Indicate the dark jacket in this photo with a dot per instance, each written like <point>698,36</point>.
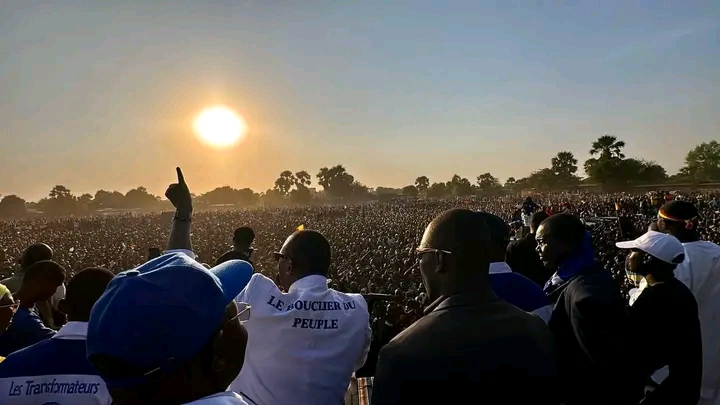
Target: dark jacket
<point>233,255</point>
<point>664,320</point>
<point>588,323</point>
<point>470,346</point>
<point>523,259</point>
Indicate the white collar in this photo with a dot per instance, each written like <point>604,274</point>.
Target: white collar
<point>73,331</point>
<point>309,282</point>
<point>499,268</point>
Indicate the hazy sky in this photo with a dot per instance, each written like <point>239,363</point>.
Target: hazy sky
<point>101,94</point>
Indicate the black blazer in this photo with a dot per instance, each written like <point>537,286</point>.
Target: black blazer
<point>588,323</point>
<point>471,346</point>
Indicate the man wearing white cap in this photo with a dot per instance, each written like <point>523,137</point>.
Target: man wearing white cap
<point>663,321</point>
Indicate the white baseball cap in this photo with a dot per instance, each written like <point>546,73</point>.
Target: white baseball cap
<point>660,245</point>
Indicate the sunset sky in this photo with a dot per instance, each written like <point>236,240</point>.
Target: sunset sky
<point>102,94</point>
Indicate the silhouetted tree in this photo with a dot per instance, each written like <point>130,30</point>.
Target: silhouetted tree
<point>285,182</point>
<point>488,184</point>
<point>410,191</point>
<point>422,183</point>
<point>140,198</point>
<point>12,206</point>
<point>337,182</point>
<point>608,146</point>
<point>438,190</point>
<point>703,162</point>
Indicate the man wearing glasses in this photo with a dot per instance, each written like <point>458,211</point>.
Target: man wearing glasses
<point>470,342</point>
<point>305,340</point>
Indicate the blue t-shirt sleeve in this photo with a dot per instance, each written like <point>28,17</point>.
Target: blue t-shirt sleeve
<point>26,329</point>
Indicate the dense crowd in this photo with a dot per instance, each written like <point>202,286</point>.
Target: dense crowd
<point>432,273</point>
<point>373,244</point>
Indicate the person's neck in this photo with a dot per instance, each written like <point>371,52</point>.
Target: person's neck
<point>475,285</point>
<point>654,279</point>
<point>687,237</point>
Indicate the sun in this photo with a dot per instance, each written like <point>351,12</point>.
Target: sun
<point>219,126</point>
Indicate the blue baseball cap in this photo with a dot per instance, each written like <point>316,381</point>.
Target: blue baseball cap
<point>163,312</point>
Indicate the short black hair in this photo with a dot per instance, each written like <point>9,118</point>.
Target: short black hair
<point>35,253</point>
<point>86,287</point>
<point>537,219</point>
<point>498,228</point>
<point>566,228</point>
<point>46,269</point>
<point>244,235</point>
<point>314,248</point>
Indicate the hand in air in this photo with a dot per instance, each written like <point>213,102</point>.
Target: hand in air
<point>179,194</point>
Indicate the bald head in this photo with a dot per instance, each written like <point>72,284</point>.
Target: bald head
<point>465,234</point>
<point>35,253</point>
<point>309,250</point>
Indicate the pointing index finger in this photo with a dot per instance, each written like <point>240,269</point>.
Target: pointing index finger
<point>180,177</point>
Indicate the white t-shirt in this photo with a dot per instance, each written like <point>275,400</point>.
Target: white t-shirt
<point>303,345</point>
<point>700,271</point>
<point>223,398</point>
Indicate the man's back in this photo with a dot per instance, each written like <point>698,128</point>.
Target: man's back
<point>303,345</point>
<point>476,347</point>
<point>588,324</point>
<point>665,318</point>
<point>700,272</point>
<point>53,371</point>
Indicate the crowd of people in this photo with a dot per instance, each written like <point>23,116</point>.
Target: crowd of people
<point>405,257</point>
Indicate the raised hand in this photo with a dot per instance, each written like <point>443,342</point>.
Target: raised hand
<point>179,194</point>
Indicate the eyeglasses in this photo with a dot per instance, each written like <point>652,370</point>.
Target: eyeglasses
<point>279,256</point>
<point>14,306</point>
<point>243,315</point>
<point>437,252</point>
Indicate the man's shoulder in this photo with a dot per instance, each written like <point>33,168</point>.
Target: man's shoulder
<point>596,285</point>
<point>434,328</point>
<point>350,297</point>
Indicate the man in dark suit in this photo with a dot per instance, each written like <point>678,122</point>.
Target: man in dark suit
<point>522,257</point>
<point>470,342</point>
<point>588,319</point>
<point>242,250</point>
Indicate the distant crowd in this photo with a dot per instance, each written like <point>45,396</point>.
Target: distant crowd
<point>410,259</point>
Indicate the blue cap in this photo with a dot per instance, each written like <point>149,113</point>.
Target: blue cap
<point>163,311</point>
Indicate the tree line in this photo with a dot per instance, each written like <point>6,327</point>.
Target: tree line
<point>607,166</point>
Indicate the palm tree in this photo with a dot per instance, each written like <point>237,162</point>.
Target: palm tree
<point>607,146</point>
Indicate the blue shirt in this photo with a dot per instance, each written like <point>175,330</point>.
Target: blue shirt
<point>519,291</point>
<point>26,329</point>
<point>54,371</point>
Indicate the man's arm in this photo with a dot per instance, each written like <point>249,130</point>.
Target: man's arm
<point>179,195</point>
<point>366,348</point>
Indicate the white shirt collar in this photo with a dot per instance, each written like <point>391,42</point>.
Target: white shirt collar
<point>499,268</point>
<point>311,282</point>
<point>73,331</point>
